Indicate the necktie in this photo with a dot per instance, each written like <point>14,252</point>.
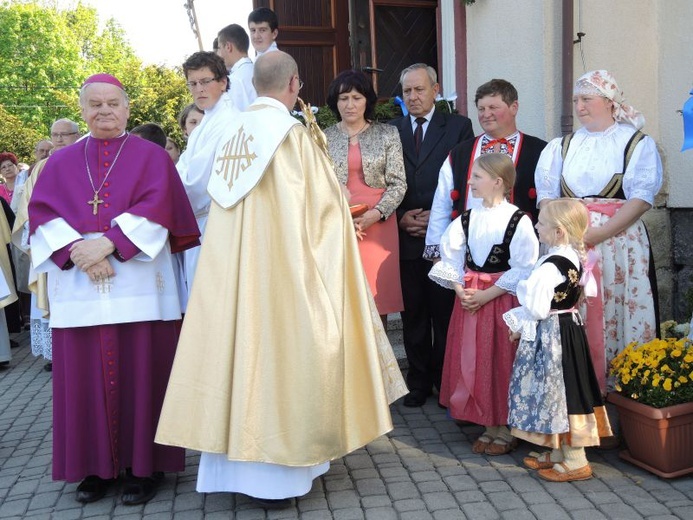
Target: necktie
<point>418,133</point>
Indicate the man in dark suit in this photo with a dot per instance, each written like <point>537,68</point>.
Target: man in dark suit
<point>427,137</point>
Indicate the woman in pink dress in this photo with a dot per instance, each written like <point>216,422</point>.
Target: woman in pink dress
<point>368,161</point>
<point>9,172</point>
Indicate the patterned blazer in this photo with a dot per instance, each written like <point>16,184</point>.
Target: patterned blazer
<point>382,160</point>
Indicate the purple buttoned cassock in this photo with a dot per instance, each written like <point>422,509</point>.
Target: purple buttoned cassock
<point>109,380</point>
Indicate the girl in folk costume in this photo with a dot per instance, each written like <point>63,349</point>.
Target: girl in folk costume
<point>485,252</point>
<point>554,397</point>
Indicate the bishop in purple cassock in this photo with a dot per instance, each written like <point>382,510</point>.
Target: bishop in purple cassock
<point>105,216</point>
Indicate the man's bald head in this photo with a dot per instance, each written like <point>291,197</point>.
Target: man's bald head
<point>273,72</point>
<point>43,149</point>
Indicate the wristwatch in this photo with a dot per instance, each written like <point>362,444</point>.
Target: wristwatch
<point>383,218</point>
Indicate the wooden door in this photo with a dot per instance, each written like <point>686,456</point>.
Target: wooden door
<point>316,34</point>
<point>389,35</point>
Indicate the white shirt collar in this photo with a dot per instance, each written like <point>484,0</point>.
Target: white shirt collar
<point>427,117</point>
<point>264,100</point>
<point>239,63</point>
<point>272,47</point>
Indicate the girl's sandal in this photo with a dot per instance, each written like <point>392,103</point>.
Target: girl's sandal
<point>481,444</point>
<point>541,461</point>
<point>501,447</point>
<point>567,475</point>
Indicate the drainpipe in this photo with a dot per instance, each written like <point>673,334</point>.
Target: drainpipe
<point>567,69</point>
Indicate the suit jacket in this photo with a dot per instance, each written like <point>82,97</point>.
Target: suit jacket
<point>444,132</point>
<point>381,158</point>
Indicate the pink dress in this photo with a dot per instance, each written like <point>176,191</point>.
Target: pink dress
<point>6,194</point>
<point>479,361</point>
<point>380,247</point>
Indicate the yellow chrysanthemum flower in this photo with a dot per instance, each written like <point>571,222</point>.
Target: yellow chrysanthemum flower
<point>642,370</point>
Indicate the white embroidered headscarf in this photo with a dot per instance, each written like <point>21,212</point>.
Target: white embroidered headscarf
<point>602,83</point>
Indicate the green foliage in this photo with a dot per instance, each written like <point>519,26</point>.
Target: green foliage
<point>158,95</point>
<point>18,138</point>
<point>45,55</point>
<point>38,63</point>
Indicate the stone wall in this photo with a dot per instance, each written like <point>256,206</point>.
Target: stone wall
<point>659,228</point>
<point>682,262</point>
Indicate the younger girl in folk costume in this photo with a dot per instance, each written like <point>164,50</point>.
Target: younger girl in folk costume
<point>485,252</point>
<point>554,397</point>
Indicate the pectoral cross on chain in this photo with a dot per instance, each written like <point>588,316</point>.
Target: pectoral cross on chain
<point>95,203</point>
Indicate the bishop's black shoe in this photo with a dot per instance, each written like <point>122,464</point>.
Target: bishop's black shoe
<point>92,488</point>
<point>140,490</point>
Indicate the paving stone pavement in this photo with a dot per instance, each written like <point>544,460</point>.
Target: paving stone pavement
<point>424,469</point>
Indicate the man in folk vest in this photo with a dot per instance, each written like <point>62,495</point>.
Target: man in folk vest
<point>497,105</point>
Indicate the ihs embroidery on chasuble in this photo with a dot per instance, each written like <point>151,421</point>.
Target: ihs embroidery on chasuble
<point>236,156</point>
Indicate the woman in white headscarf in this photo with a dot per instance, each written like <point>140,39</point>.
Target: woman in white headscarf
<point>617,171</point>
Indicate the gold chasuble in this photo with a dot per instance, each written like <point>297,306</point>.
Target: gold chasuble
<point>282,357</point>
<point>38,282</point>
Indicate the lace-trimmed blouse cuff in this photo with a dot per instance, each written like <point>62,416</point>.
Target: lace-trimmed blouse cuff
<point>446,275</point>
<point>508,281</point>
<point>519,320</point>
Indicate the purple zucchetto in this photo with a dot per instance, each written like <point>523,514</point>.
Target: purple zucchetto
<point>103,78</point>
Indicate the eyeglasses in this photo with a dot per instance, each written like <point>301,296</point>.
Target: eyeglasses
<point>62,135</point>
<point>203,83</point>
<point>300,82</point>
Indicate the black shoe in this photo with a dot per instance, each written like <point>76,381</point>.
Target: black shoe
<point>4,365</point>
<point>415,398</point>
<point>92,488</point>
<point>140,490</point>
<point>48,367</point>
<point>269,503</point>
<point>14,344</point>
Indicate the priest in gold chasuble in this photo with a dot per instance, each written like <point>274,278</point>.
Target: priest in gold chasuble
<point>283,364</point>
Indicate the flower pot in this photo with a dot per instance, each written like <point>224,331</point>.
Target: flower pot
<point>658,439</point>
